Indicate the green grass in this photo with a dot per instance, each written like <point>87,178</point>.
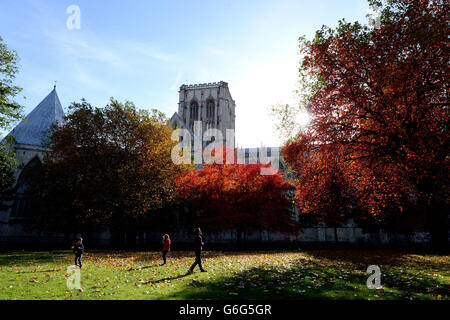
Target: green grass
<point>312,274</point>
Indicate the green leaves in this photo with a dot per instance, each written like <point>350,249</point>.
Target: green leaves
<point>107,167</point>
<point>9,110</point>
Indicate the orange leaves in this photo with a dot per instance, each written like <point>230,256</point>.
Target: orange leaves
<point>236,196</point>
<point>379,132</point>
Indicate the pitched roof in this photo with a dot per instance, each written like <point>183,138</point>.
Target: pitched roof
<point>31,130</point>
<point>175,121</point>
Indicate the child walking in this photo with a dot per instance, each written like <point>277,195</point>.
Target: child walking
<point>198,246</point>
<point>166,247</point>
<point>78,249</point>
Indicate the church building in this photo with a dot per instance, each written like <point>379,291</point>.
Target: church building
<point>213,106</point>
<point>29,146</point>
<point>209,103</point>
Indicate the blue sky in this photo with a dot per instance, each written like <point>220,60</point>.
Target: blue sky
<point>143,51</point>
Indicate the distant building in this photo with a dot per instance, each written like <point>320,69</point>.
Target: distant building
<point>210,103</point>
<point>30,135</point>
<point>213,106</point>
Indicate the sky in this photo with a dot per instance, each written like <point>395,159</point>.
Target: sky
<point>144,50</point>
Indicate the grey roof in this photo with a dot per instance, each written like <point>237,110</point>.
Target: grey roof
<point>176,120</point>
<point>31,130</point>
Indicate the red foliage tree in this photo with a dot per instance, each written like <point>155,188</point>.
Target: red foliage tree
<point>380,120</point>
<point>236,197</point>
<point>323,191</point>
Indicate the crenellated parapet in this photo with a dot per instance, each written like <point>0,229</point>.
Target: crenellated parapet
<point>204,85</point>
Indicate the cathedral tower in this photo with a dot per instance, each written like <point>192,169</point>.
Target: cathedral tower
<point>210,103</point>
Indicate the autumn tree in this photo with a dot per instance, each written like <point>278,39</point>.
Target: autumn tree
<point>382,114</point>
<point>237,197</point>
<point>323,192</point>
<point>107,168</point>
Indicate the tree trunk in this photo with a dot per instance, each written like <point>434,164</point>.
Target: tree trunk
<point>131,239</point>
<point>238,237</point>
<point>118,238</point>
<point>434,202</point>
<point>68,239</point>
<point>336,239</point>
<point>439,228</point>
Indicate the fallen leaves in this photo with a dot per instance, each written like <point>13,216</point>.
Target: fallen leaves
<point>323,274</point>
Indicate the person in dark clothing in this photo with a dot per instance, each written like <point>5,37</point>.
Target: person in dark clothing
<point>78,249</point>
<point>198,246</point>
<point>166,247</point>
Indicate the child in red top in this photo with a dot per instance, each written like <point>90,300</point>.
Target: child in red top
<point>166,247</point>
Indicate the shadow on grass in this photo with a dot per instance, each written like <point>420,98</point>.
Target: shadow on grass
<point>144,267</point>
<point>167,279</point>
<point>39,271</point>
<point>313,280</point>
<point>143,256</point>
<point>25,258</point>
<point>362,255</point>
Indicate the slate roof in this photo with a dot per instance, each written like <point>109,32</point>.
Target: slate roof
<point>31,130</point>
<point>176,120</point>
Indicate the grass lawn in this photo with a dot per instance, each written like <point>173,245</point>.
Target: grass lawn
<point>311,274</point>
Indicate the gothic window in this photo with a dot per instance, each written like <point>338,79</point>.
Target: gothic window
<point>194,111</point>
<point>24,204</point>
<point>209,125</point>
<point>210,109</point>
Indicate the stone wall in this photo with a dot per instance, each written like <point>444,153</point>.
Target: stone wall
<point>14,233</point>
<point>311,235</point>
<point>24,154</point>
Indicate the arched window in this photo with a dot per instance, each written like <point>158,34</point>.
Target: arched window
<point>210,109</point>
<point>194,110</point>
<point>24,204</point>
<point>209,125</point>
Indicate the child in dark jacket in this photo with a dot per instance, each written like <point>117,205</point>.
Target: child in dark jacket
<point>198,246</point>
<point>78,249</point>
<point>166,247</point>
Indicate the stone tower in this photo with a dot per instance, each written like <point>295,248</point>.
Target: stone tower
<point>210,103</point>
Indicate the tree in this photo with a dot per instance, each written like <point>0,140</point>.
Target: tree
<point>10,111</point>
<point>290,119</point>
<point>107,168</point>
<point>236,197</point>
<point>323,191</point>
<point>6,175</point>
<point>384,110</point>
